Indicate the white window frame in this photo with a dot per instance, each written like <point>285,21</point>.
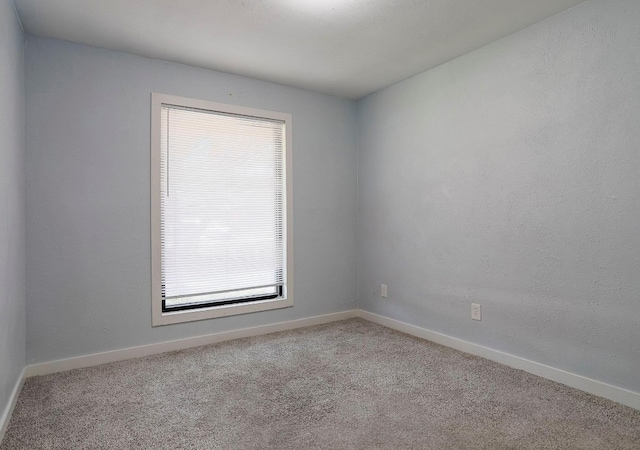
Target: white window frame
<point>166,318</point>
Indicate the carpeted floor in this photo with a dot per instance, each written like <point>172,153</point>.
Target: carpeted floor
<point>350,384</point>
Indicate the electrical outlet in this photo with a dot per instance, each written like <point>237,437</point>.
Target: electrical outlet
<point>476,311</point>
<point>383,290</point>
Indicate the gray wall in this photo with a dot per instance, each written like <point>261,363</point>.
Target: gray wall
<point>12,203</point>
<point>510,177</point>
<point>88,249</point>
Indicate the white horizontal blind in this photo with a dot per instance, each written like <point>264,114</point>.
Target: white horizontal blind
<point>221,206</point>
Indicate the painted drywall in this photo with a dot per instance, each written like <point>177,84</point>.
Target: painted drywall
<point>88,197</point>
<point>509,177</point>
<point>12,203</point>
<point>339,47</point>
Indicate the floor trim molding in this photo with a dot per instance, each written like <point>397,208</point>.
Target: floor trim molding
<point>589,385</point>
<point>96,359</point>
<point>13,399</point>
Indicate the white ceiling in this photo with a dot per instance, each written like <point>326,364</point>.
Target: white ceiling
<point>347,48</point>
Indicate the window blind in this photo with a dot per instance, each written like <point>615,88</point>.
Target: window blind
<point>222,229</point>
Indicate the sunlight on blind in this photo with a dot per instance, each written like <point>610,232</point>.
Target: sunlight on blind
<point>221,204</point>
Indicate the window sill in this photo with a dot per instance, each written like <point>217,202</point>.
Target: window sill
<point>169,318</point>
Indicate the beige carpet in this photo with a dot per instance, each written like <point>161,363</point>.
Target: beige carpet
<point>345,385</point>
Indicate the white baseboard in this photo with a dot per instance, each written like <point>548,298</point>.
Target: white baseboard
<point>8,411</point>
<point>96,359</point>
<point>594,387</point>
<point>589,385</point>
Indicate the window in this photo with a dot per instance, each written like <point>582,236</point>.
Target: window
<point>221,210</point>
